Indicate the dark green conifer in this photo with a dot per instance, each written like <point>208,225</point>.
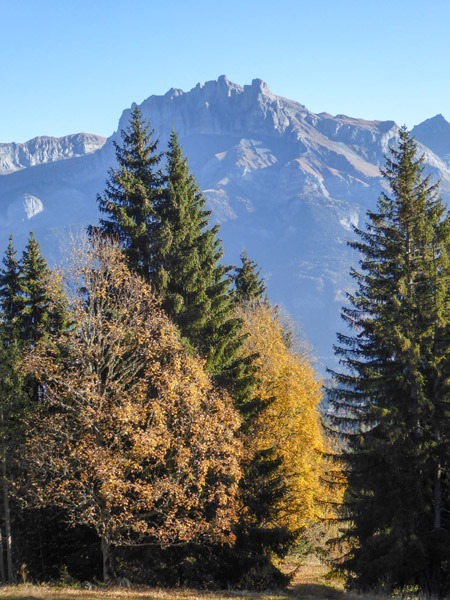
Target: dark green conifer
<point>393,400</point>
<point>10,292</point>
<point>166,238</point>
<point>188,274</point>
<point>11,405</point>
<point>40,311</point>
<point>23,297</point>
<point>131,193</point>
<point>248,283</point>
<point>186,255</point>
<point>12,428</point>
<point>31,308</point>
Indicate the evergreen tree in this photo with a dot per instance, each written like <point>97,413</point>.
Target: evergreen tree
<point>248,283</point>
<point>42,309</point>
<point>393,400</point>
<point>193,283</point>
<point>31,307</point>
<point>10,291</point>
<point>11,395</point>
<point>166,239</point>
<point>186,255</point>
<point>131,193</point>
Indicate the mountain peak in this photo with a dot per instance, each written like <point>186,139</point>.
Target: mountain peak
<point>173,93</point>
<point>439,119</point>
<point>435,123</point>
<point>434,133</point>
<point>222,86</point>
<point>260,85</point>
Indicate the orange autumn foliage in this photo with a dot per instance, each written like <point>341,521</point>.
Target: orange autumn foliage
<point>290,423</point>
<point>131,439</point>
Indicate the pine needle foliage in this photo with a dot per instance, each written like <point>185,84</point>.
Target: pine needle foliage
<point>187,271</point>
<point>10,291</point>
<point>248,283</point>
<point>40,312</point>
<point>131,192</point>
<point>392,398</point>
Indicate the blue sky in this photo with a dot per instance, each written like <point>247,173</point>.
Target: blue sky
<point>74,65</point>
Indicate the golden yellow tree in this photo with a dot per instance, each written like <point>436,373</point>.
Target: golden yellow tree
<point>290,423</point>
<point>132,439</point>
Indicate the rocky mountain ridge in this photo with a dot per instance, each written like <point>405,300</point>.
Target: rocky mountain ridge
<point>45,149</point>
<point>285,183</point>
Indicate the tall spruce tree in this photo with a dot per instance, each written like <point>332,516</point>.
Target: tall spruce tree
<point>194,284</point>
<point>186,267</point>
<point>132,190</point>
<point>162,223</point>
<point>11,395</point>
<point>393,399</point>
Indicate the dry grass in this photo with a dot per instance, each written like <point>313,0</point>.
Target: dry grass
<point>46,592</point>
<point>311,580</point>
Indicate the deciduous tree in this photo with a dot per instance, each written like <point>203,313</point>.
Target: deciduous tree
<point>290,424</point>
<point>134,440</point>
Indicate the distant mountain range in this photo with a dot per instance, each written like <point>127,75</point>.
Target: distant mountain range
<point>285,183</point>
<point>44,149</point>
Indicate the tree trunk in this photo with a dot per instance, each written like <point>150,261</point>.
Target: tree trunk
<point>2,560</point>
<point>108,565</point>
<point>435,569</point>
<point>9,561</point>
<point>437,498</point>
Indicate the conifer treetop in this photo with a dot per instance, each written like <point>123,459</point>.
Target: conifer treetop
<point>132,190</point>
<point>248,283</point>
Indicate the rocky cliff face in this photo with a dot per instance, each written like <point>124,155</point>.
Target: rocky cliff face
<point>43,149</point>
<point>286,184</point>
